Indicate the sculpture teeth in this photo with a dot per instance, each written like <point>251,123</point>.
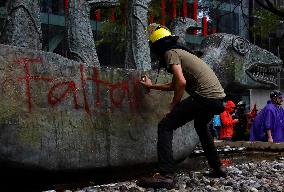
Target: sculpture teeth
<point>263,69</point>
<point>273,70</point>
<point>266,74</point>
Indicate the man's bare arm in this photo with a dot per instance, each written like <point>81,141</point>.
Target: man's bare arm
<point>147,83</point>
<point>178,83</point>
<point>163,87</point>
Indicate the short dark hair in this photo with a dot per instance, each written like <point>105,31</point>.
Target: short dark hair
<point>275,93</point>
<point>162,45</point>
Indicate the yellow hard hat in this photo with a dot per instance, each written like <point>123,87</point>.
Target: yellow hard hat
<point>158,33</point>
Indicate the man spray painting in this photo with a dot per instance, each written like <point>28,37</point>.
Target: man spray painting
<point>194,76</point>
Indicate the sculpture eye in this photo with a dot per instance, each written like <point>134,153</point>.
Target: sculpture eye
<point>240,45</point>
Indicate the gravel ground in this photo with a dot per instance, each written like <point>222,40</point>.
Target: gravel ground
<point>245,174</point>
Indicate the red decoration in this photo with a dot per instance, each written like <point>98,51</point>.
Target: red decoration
<point>214,30</point>
<point>98,16</point>
<point>195,7</point>
<point>173,9</point>
<point>204,29</point>
<point>123,10</point>
<point>195,12</point>
<point>66,4</point>
<point>163,13</point>
<point>250,116</point>
<point>184,8</point>
<point>112,15</point>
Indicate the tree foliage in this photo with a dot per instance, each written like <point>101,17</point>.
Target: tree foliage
<point>270,6</point>
<point>266,22</point>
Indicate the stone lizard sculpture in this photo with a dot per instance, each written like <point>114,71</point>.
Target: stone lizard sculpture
<point>237,63</point>
<point>240,64</point>
<point>23,26</point>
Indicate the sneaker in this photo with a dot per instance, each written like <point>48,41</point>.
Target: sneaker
<point>157,181</point>
<point>219,172</point>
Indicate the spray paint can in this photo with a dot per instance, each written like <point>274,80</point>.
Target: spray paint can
<point>143,78</point>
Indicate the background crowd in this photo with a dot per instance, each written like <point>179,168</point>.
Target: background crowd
<point>236,123</point>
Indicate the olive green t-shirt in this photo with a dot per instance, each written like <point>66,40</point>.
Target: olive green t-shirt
<point>200,78</point>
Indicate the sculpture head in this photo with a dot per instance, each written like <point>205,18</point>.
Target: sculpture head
<point>182,25</point>
<point>238,63</point>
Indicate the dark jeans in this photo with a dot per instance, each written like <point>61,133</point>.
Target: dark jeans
<point>217,129</point>
<point>196,108</point>
<point>214,130</point>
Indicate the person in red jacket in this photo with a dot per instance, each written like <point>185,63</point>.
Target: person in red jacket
<point>226,131</point>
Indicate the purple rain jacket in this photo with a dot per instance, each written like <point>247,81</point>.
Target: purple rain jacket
<point>271,116</point>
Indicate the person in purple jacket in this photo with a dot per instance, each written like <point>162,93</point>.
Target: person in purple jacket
<point>268,125</point>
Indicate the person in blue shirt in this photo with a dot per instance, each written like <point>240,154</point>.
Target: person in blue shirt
<point>216,126</point>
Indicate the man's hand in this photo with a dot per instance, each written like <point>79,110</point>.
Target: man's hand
<point>146,82</point>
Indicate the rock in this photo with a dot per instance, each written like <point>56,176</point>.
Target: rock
<point>253,189</point>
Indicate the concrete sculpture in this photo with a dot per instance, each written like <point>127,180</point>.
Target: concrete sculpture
<point>240,64</point>
<point>23,26</point>
<point>59,114</point>
<point>180,26</point>
<point>137,54</point>
<point>81,44</point>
